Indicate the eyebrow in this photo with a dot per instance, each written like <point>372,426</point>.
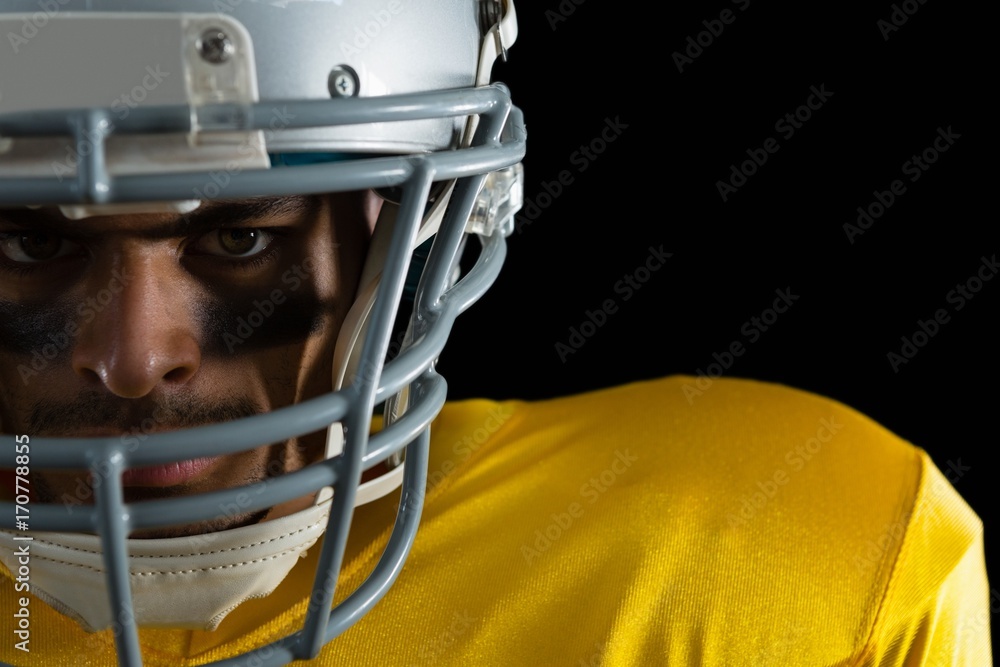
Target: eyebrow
<point>201,220</point>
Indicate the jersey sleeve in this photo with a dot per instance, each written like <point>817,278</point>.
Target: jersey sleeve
<point>936,608</point>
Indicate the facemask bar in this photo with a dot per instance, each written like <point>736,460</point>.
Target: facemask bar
<point>107,458</point>
<point>91,127</point>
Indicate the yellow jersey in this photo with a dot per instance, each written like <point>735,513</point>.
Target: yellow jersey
<point>676,522</point>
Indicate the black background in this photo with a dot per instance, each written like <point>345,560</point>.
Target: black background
<point>656,184</point>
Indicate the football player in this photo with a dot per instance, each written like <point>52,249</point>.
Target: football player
<point>231,237</point>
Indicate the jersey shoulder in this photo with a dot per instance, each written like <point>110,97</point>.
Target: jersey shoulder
<point>680,422</point>
<point>732,499</point>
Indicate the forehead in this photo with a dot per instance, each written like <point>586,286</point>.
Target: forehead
<point>207,216</point>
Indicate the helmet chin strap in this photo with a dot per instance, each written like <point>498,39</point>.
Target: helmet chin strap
<point>347,352</point>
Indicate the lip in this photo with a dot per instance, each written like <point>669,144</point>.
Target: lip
<point>163,475</point>
<point>167,474</point>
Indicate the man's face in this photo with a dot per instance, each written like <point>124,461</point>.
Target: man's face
<point>132,324</point>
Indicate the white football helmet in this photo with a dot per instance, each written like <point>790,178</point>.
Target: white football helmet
<point>112,106</point>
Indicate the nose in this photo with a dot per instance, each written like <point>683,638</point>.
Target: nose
<point>137,330</point>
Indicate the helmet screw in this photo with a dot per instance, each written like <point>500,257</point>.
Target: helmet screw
<point>342,82</point>
<point>215,46</point>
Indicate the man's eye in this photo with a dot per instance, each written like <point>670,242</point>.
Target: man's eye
<point>234,242</point>
<point>35,247</point>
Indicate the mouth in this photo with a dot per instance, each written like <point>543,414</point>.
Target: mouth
<point>168,474</point>
<point>175,473</point>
